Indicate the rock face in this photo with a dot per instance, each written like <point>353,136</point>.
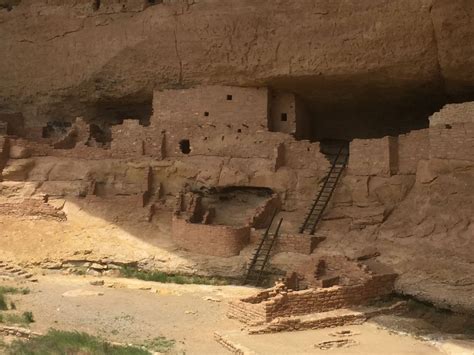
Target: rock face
<point>62,58</point>
<point>356,65</point>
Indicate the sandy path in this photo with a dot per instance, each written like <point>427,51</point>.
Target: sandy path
<point>134,311</point>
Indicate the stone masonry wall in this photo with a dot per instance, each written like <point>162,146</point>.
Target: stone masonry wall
<point>412,147</point>
<point>453,113</point>
<point>218,105</point>
<point>216,240</point>
<point>292,303</point>
<point>296,243</point>
<point>373,156</point>
<point>452,141</point>
<point>283,112</point>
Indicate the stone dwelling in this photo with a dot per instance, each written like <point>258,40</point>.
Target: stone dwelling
<point>218,137</point>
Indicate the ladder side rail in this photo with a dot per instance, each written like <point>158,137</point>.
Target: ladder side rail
<point>267,255</point>
<point>257,251</point>
<point>313,229</point>
<point>326,179</point>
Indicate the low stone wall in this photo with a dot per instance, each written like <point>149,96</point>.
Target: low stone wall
<point>17,332</point>
<point>216,240</point>
<point>263,214</point>
<point>275,303</point>
<point>296,243</point>
<point>248,313</point>
<point>326,320</point>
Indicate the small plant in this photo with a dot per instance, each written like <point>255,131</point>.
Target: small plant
<point>159,276</point>
<point>24,319</point>
<point>3,302</point>
<point>12,305</point>
<point>28,317</point>
<point>57,342</point>
<point>160,344</point>
<point>14,290</point>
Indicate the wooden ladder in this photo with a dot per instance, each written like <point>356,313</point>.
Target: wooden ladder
<point>260,257</point>
<point>319,205</point>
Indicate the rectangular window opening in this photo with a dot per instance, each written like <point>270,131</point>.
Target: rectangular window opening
<point>284,117</point>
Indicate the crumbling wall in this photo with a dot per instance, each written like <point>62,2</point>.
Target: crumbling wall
<point>452,132</point>
<point>453,113</point>
<point>264,212</point>
<point>452,141</point>
<point>280,302</point>
<point>296,243</point>
<point>128,139</point>
<point>412,147</point>
<point>373,156</point>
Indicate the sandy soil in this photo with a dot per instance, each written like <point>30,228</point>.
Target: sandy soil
<point>133,311</point>
<point>38,242</point>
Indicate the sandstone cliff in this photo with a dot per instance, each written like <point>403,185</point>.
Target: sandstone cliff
<point>61,58</point>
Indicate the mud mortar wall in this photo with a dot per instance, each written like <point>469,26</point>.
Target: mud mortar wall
<point>452,141</point>
<point>223,241</point>
<point>292,303</point>
<point>412,147</point>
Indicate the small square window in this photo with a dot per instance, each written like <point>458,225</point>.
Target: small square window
<point>229,97</point>
<point>206,113</point>
<point>284,117</point>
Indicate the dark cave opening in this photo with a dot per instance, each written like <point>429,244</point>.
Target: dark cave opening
<point>363,106</point>
<point>56,129</point>
<point>114,112</point>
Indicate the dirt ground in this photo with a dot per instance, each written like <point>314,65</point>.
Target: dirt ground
<point>132,311</point>
<point>94,231</point>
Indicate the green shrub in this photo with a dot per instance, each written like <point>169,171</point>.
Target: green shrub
<point>3,302</point>
<point>57,342</point>
<point>14,290</point>
<point>28,317</point>
<point>17,319</point>
<point>159,276</point>
<point>160,344</point>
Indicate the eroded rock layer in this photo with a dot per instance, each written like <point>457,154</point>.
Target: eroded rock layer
<point>62,59</point>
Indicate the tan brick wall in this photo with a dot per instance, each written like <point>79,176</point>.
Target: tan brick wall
<point>296,243</point>
<point>453,141</point>
<point>373,156</point>
<point>304,155</point>
<point>282,112</point>
<point>453,113</point>
<point>248,106</point>
<point>216,240</point>
<point>412,147</point>
<point>293,303</point>
<point>265,211</point>
<point>218,141</point>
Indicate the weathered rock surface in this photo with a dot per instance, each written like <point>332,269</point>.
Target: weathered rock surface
<point>63,58</point>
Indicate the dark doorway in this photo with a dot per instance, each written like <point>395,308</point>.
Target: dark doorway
<point>185,146</point>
